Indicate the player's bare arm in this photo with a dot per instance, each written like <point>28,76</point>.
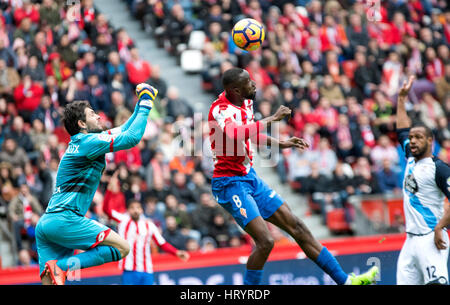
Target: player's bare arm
<point>403,120</point>
<point>439,240</point>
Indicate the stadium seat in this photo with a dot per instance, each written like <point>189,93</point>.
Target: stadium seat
<point>191,61</point>
<point>196,40</point>
<point>374,209</point>
<point>394,206</point>
<point>336,221</point>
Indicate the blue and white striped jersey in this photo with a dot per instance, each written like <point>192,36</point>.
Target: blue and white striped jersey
<point>426,183</point>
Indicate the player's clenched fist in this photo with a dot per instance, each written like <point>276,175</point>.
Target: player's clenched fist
<point>282,112</point>
<point>146,94</point>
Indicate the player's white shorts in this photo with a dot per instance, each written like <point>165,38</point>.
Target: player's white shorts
<point>420,262</point>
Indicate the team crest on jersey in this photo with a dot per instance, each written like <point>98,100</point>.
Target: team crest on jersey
<point>243,212</point>
<point>104,137</point>
<point>411,184</point>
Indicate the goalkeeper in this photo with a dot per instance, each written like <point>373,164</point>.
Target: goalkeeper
<point>63,227</point>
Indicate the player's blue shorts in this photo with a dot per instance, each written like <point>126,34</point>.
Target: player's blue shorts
<point>246,197</point>
<point>59,234</point>
<point>137,278</point>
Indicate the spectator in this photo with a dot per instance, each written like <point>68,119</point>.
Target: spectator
<point>25,31</point>
<point>18,133</point>
<point>13,154</point>
<point>158,82</point>
<point>49,13</point>
<point>92,66</point>
<point>430,111</point>
<point>97,94</point>
<point>384,150</point>
<point>173,235</point>
<point>365,181</point>
<point>138,70</point>
<point>177,105</point>
<point>47,114</point>
<point>39,135</point>
<point>7,55</point>
<point>151,211</point>
<point>39,48</point>
<point>384,112</point>
<point>114,66</point>
<point>21,210</point>
<point>388,178</point>
<point>220,231</point>
<point>299,167</point>
<point>367,77</point>
<point>356,32</point>
<point>35,69</point>
<point>180,190</point>
<point>326,158</point>
<point>9,79</point>
<point>332,91</point>
<point>176,28</point>
<point>443,84</point>
<point>57,68</point>
<point>135,190</point>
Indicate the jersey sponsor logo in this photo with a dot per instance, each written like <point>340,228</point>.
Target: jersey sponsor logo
<point>104,137</point>
<point>73,149</point>
<point>243,212</point>
<point>411,184</point>
<point>272,194</point>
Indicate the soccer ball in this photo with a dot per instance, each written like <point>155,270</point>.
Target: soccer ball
<point>248,34</point>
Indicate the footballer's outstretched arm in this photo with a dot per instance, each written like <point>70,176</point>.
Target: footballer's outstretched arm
<point>403,120</point>
<point>244,132</point>
<point>265,140</point>
<point>101,143</point>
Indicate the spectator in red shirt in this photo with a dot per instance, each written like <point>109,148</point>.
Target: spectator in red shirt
<point>131,157</point>
<point>139,70</point>
<point>57,68</point>
<point>28,96</point>
<point>333,36</point>
<point>27,10</point>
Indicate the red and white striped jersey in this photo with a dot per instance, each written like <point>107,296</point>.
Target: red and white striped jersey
<point>138,234</point>
<point>232,157</point>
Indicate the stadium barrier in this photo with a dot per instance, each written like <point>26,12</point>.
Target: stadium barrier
<point>287,265</point>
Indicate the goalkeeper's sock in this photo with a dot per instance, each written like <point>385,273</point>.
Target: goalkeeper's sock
<point>253,277</point>
<point>93,257</point>
<point>330,265</point>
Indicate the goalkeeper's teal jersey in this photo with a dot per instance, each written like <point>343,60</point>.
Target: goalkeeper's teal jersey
<point>82,164</point>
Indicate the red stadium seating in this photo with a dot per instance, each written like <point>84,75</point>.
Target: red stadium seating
<point>336,221</point>
<point>374,209</point>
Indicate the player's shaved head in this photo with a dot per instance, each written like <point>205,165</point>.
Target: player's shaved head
<point>233,77</point>
<point>238,85</point>
<point>424,128</point>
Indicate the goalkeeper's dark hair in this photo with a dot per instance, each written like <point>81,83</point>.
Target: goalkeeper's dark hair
<point>74,112</point>
<point>428,131</point>
<point>232,76</point>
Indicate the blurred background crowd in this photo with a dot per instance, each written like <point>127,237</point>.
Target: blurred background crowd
<point>337,64</point>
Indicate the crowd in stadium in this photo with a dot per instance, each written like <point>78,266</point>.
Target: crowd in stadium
<point>329,61</point>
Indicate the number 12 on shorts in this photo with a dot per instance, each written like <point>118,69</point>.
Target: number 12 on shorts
<point>431,270</point>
